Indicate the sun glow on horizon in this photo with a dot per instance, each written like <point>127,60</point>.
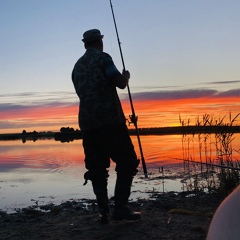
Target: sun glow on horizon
<point>151,113</point>
<point>165,113</point>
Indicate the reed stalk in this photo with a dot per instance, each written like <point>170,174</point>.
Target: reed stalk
<point>224,164</point>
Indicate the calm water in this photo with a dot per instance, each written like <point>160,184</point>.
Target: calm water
<point>48,171</point>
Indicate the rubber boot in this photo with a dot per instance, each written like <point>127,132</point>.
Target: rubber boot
<point>122,193</point>
<point>124,212</point>
<point>103,207</point>
<point>100,190</point>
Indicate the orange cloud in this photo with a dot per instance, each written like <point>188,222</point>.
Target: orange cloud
<point>161,113</point>
<point>153,110</point>
<point>39,118</point>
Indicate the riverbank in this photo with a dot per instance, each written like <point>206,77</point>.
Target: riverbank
<point>69,134</point>
<point>185,215</point>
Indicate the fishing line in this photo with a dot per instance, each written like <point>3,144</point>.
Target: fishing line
<point>133,117</point>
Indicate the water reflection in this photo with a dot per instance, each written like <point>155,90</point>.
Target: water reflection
<point>49,154</point>
<point>49,171</point>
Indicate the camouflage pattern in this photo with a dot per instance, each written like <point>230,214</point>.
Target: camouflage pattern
<point>99,101</point>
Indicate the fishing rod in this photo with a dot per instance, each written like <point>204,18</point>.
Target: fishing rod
<point>133,117</point>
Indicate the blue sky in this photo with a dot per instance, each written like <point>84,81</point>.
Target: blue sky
<point>168,45</point>
<point>164,43</point>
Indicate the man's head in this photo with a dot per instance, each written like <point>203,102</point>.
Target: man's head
<point>93,38</point>
<point>92,35</point>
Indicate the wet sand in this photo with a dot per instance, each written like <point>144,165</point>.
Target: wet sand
<point>185,215</point>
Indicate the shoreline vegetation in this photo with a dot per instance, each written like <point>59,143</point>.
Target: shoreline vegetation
<point>69,134</point>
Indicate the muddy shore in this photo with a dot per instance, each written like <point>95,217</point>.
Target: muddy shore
<point>185,215</point>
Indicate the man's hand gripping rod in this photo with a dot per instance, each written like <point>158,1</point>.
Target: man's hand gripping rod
<point>133,117</point>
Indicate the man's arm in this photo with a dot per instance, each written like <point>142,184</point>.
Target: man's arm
<point>121,80</point>
<point>112,73</point>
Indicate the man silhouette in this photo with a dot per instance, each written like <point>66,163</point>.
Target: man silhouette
<point>103,125</point>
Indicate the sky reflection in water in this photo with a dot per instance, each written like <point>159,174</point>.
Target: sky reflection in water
<point>49,171</point>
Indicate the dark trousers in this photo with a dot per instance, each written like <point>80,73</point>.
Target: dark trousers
<point>101,145</point>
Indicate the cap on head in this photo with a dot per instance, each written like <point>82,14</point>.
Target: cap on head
<point>92,35</point>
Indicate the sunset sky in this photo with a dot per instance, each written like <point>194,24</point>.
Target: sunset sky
<point>184,59</point>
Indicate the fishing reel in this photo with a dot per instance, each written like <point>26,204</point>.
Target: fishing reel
<point>132,120</point>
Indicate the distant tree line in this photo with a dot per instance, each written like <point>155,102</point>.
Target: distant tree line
<point>69,130</point>
<point>67,134</point>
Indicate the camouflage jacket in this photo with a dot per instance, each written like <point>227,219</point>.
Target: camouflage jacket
<point>99,101</point>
